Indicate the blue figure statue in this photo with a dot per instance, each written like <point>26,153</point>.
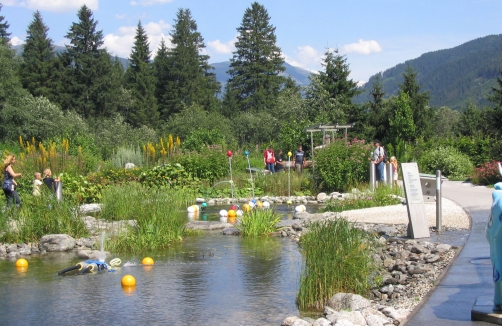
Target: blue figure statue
<point>494,235</point>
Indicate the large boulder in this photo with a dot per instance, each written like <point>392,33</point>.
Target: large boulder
<point>89,208</point>
<point>57,242</point>
<point>348,301</point>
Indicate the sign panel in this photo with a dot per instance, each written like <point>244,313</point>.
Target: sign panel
<point>417,227</point>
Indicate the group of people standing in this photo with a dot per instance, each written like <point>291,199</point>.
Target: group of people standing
<point>9,183</point>
<point>379,160</point>
<point>274,163</point>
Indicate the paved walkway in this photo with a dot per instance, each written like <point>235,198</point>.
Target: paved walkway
<point>470,275</point>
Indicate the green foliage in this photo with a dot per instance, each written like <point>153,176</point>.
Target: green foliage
<point>80,189</point>
<point>402,127</point>
<point>258,222</point>
<point>11,90</point>
<point>452,163</point>
<point>39,216</point>
<point>487,174</point>
<point>382,196</point>
<point>125,155</point>
<point>168,176</point>
<point>156,212</point>
<point>338,258</point>
<point>210,163</point>
<point>342,164</point>
<point>277,184</point>
<point>200,139</point>
<point>4,35</point>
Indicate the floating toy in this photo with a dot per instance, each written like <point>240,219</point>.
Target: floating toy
<point>90,266</point>
<point>300,208</point>
<point>147,261</point>
<point>259,204</point>
<point>21,262</point>
<point>232,213</point>
<point>193,209</point>
<point>223,213</point>
<point>128,280</point>
<point>203,205</point>
<point>246,208</point>
<point>239,213</point>
<point>266,205</point>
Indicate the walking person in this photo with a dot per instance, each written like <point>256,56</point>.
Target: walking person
<point>378,160</point>
<point>269,159</point>
<point>299,159</point>
<point>9,184</point>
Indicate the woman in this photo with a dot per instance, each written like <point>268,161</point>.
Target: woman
<point>49,181</point>
<point>9,184</point>
<point>269,159</point>
<point>278,161</point>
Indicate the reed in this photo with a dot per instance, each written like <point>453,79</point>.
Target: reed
<point>258,222</point>
<point>156,212</point>
<point>337,258</point>
<point>381,196</point>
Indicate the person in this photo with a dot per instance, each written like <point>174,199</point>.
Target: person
<point>49,181</point>
<point>269,159</point>
<point>278,161</point>
<point>37,183</point>
<point>393,161</point>
<point>378,156</point>
<point>9,184</point>
<point>299,159</point>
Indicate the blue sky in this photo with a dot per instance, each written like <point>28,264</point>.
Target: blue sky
<point>373,34</point>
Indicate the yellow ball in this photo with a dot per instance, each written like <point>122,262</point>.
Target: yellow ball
<point>147,261</point>
<point>259,204</point>
<point>21,262</point>
<point>290,154</point>
<point>232,213</point>
<point>246,208</point>
<point>128,280</point>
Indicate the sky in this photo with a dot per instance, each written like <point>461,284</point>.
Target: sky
<point>374,35</point>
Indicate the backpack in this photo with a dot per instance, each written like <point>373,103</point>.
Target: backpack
<point>385,156</point>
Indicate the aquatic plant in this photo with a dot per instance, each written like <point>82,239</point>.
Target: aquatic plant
<point>337,258</point>
<point>258,222</point>
<point>381,196</point>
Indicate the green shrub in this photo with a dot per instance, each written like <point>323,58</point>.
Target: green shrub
<point>487,174</point>
<point>209,164</point>
<point>200,139</point>
<point>452,163</point>
<point>168,176</point>
<point>258,222</point>
<point>342,164</point>
<point>129,154</point>
<point>338,258</point>
<point>382,196</point>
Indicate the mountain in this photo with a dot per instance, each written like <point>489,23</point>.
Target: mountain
<point>301,76</point>
<point>451,76</point>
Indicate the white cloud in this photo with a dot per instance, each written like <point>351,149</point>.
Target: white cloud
<point>149,2</point>
<point>122,41</point>
<point>53,5</point>
<point>16,41</point>
<point>222,48</point>
<point>362,47</point>
<point>120,16</point>
<point>306,57</point>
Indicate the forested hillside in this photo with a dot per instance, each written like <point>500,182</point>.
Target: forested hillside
<point>451,76</point>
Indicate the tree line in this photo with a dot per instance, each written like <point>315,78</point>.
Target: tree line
<point>85,90</point>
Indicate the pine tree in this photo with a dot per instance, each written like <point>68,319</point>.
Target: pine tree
<point>4,35</point>
<point>402,127</point>
<point>190,78</point>
<point>36,70</point>
<point>86,84</point>
<point>256,63</point>
<point>379,113</point>
<point>335,78</point>
<point>419,102</point>
<point>141,82</point>
<point>161,67</point>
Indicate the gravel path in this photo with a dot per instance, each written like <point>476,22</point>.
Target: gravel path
<point>453,215</point>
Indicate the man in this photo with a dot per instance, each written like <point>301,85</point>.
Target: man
<point>299,160</point>
<point>269,159</point>
<point>378,155</point>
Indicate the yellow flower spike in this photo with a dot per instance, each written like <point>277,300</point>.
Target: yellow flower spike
<point>178,141</point>
<point>33,140</point>
<point>21,141</point>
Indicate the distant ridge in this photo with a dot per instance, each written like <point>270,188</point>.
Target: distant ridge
<point>451,76</point>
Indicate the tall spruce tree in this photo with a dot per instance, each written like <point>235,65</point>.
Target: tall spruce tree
<point>4,35</point>
<point>141,82</point>
<point>190,80</point>
<point>379,113</point>
<point>255,67</point>
<point>86,84</point>
<point>419,102</point>
<point>161,68</point>
<point>494,114</point>
<point>37,68</point>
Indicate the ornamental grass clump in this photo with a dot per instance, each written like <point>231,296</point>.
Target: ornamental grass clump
<point>258,222</point>
<point>337,258</point>
<point>158,221</point>
<point>381,196</point>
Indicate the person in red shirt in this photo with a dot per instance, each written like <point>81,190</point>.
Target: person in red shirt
<point>269,159</point>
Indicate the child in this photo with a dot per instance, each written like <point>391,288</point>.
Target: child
<point>37,183</point>
<point>393,161</point>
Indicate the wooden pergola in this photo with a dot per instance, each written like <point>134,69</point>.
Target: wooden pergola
<point>326,128</point>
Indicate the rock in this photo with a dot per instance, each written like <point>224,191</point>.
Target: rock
<point>301,322</point>
<point>431,258</point>
<point>347,301</point>
<point>231,231</point>
<point>321,322</point>
<point>355,317</point>
<point>344,322</point>
<point>418,249</point>
<point>11,248</point>
<point>211,202</point>
<point>389,262</point>
<point>92,254</point>
<point>288,321</point>
<point>208,225</point>
<point>89,208</point>
<point>24,249</point>
<point>199,200</point>
<point>399,315</point>
<point>387,289</point>
<point>57,242</point>
<point>321,196</point>
<point>441,248</point>
<point>130,166</point>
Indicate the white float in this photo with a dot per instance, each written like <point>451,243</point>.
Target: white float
<point>223,213</point>
<point>239,213</point>
<point>300,208</point>
<point>266,205</point>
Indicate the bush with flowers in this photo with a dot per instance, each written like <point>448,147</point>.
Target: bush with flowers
<point>342,164</point>
<point>487,174</point>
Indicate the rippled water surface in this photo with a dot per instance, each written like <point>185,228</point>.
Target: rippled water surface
<point>209,279</point>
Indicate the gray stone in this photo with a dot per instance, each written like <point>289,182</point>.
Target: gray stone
<point>92,254</point>
<point>431,258</point>
<point>347,301</point>
<point>441,248</point>
<point>57,242</point>
<point>321,196</point>
<point>373,320</point>
<point>11,248</point>
<point>130,166</point>
<point>231,231</point>
<point>199,200</point>
<point>301,322</point>
<point>418,249</point>
<point>24,249</point>
<point>387,289</point>
<point>211,202</point>
<point>321,322</point>
<point>344,322</point>
<point>13,254</point>
<point>208,225</point>
<point>288,321</point>
<point>399,315</point>
<point>89,208</point>
<point>389,262</point>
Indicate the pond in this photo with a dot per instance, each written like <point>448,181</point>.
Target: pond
<point>209,279</point>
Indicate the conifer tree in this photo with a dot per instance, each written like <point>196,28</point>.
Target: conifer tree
<point>141,82</point>
<point>402,127</point>
<point>36,70</point>
<point>161,67</point>
<point>4,35</point>
<point>254,81</point>
<point>190,80</point>
<point>86,83</point>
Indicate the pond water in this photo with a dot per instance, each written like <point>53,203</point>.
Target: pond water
<point>210,279</point>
